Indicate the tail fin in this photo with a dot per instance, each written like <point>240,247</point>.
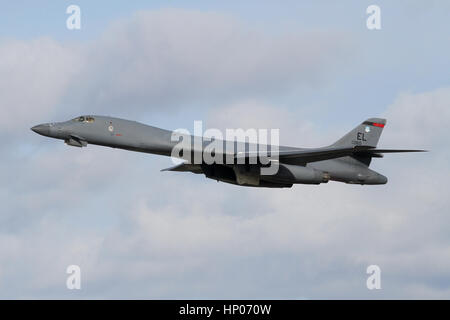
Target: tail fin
<point>366,134</point>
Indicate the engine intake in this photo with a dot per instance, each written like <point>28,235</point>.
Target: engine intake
<point>75,142</point>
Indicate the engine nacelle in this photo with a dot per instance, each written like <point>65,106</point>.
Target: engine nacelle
<point>75,142</point>
<point>289,173</point>
<point>243,175</point>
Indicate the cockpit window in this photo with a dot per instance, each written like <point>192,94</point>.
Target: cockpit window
<point>88,119</point>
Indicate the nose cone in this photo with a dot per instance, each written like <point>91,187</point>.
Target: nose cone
<point>42,129</point>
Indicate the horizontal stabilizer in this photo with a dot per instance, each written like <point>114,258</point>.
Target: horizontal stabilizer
<point>392,150</point>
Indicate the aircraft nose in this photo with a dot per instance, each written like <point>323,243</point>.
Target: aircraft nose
<point>42,129</point>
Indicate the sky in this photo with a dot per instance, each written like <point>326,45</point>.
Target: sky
<point>311,69</point>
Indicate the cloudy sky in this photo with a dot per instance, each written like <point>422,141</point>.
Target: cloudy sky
<point>311,69</point>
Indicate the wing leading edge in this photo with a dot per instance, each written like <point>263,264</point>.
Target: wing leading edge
<point>185,167</point>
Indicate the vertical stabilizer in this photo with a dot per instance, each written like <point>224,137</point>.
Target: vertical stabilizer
<point>366,134</point>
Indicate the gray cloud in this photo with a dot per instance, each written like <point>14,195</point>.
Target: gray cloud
<point>158,59</point>
<point>140,233</point>
<point>211,240</point>
<point>34,77</point>
<point>176,56</point>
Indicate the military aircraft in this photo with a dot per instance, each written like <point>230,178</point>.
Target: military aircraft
<point>347,160</point>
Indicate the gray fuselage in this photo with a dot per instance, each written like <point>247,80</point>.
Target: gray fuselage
<point>135,136</point>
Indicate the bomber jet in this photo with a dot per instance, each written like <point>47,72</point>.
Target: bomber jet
<point>241,163</point>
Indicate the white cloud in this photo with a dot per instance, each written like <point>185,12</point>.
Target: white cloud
<point>294,130</point>
<point>419,119</point>
<point>34,76</point>
<point>171,56</point>
<point>156,59</point>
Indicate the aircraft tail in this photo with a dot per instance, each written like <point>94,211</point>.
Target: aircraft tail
<point>366,134</point>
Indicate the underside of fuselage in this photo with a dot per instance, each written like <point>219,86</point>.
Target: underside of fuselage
<point>287,175</point>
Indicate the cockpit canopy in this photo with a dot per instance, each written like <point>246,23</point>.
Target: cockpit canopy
<point>88,119</point>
